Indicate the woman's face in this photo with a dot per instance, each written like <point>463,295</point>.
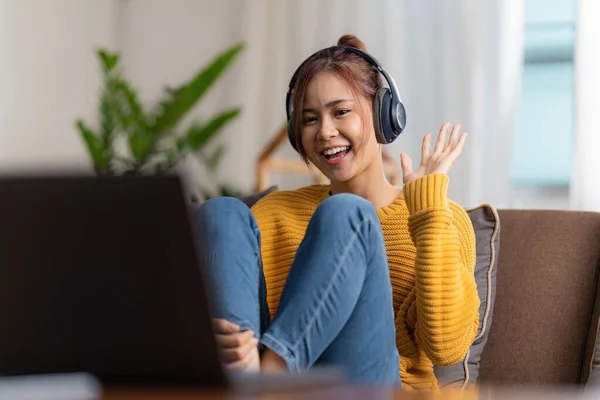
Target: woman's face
<point>336,137</point>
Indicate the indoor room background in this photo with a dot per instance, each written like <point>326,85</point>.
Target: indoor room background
<point>520,76</point>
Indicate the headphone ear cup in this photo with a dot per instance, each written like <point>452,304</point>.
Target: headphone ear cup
<point>381,116</point>
<point>291,136</point>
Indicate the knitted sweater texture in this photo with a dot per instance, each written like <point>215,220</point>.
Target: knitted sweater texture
<point>430,245</point>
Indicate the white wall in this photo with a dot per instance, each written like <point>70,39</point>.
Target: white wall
<point>49,77</point>
<point>166,42</point>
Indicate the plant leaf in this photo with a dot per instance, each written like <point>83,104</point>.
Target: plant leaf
<point>132,120</point>
<point>198,136</point>
<point>120,109</point>
<point>229,190</point>
<point>108,123</point>
<point>94,146</point>
<point>212,161</point>
<point>130,107</point>
<point>138,145</point>
<point>180,100</point>
<point>109,60</point>
<point>108,118</point>
<point>171,157</point>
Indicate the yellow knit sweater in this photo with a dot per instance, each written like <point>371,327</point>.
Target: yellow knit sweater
<point>431,254</point>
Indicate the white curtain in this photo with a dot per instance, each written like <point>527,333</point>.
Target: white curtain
<point>456,60</point>
<point>453,60</point>
<point>585,187</point>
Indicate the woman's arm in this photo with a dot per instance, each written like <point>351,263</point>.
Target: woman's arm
<point>447,302</point>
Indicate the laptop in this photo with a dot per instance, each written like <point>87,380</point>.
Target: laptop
<point>101,276</point>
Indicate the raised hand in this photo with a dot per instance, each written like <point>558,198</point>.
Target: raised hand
<point>442,158</point>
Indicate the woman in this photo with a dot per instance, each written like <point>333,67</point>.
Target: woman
<point>358,274</point>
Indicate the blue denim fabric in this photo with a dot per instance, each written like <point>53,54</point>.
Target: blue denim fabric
<point>336,306</point>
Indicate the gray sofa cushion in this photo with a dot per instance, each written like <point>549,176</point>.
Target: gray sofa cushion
<point>486,224</point>
<point>253,198</point>
<point>594,379</point>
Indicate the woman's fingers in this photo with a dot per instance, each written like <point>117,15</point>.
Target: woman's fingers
<point>455,149</point>
<point>440,145</point>
<point>442,158</point>
<point>235,354</point>
<point>233,340</point>
<point>406,164</point>
<point>425,148</point>
<point>461,143</point>
<point>453,154</point>
<point>221,325</point>
<point>244,362</point>
<point>453,141</point>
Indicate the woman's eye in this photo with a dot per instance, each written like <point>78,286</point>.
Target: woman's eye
<point>308,120</point>
<point>342,112</point>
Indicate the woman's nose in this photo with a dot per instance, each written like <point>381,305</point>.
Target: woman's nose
<point>327,130</point>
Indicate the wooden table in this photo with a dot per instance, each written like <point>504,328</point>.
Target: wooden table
<point>86,387</point>
<point>189,394</point>
<point>352,393</point>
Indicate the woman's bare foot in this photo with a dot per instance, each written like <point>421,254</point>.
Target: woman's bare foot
<point>272,363</point>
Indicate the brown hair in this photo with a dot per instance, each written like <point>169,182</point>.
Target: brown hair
<point>362,78</point>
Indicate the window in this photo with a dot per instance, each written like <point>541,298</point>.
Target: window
<point>543,141</point>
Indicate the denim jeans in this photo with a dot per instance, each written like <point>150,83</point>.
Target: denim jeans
<point>336,307</point>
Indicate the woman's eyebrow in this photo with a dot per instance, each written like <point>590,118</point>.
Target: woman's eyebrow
<point>330,104</point>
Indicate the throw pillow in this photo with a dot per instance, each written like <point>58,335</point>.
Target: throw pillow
<point>253,198</point>
<point>594,378</point>
<point>486,224</point>
<point>249,200</point>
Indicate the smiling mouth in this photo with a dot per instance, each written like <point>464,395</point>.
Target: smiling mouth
<point>336,153</point>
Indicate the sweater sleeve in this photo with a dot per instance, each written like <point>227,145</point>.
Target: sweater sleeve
<point>447,303</point>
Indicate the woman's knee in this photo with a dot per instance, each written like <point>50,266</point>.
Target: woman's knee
<point>346,205</point>
<point>345,215</point>
<point>225,212</point>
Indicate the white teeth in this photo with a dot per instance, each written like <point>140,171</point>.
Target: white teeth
<point>335,150</point>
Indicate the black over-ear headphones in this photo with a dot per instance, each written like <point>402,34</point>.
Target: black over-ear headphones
<point>389,114</point>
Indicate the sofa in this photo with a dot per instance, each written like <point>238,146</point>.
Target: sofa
<point>547,301</point>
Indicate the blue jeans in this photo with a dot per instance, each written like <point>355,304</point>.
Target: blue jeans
<point>336,307</point>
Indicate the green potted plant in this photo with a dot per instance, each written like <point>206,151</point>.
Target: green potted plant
<point>132,139</point>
